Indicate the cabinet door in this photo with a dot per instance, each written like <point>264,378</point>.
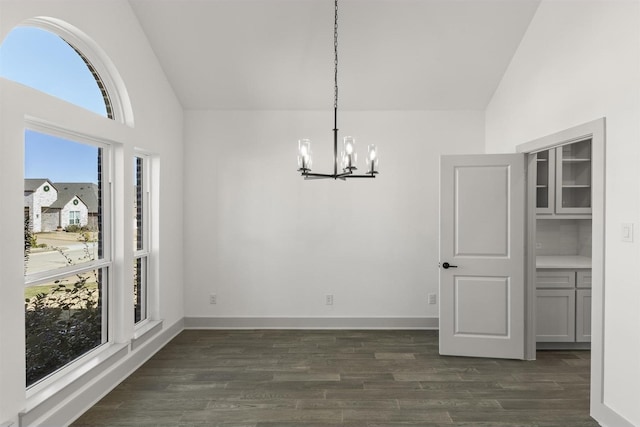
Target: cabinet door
<point>555,315</point>
<point>583,315</point>
<point>553,278</point>
<point>573,178</point>
<point>545,182</point>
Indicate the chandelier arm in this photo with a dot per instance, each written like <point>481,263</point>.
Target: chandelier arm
<point>317,175</point>
<point>360,176</point>
<point>342,176</point>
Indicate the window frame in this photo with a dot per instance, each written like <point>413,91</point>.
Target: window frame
<point>144,253</point>
<point>121,109</point>
<point>75,217</point>
<point>106,263</point>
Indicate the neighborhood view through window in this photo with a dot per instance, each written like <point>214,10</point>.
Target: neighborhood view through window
<point>63,251</point>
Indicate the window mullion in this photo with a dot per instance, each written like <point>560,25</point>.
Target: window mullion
<point>51,275</point>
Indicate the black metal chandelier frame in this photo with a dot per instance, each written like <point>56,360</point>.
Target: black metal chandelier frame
<point>347,171</point>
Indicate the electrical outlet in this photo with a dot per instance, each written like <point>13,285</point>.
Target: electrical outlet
<point>328,299</point>
<point>213,299</point>
<point>432,298</point>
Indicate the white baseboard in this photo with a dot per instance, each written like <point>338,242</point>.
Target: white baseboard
<point>311,323</point>
<point>607,417</point>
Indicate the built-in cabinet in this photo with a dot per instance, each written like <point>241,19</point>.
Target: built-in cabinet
<point>563,182</point>
<point>563,301</point>
<point>563,246</point>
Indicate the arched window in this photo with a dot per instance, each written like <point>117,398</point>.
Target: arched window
<point>45,61</point>
<point>68,215</point>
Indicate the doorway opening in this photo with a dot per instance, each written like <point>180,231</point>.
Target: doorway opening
<point>571,198</point>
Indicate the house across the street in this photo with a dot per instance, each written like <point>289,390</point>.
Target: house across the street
<point>51,206</point>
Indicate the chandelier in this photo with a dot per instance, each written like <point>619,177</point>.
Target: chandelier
<point>348,156</point>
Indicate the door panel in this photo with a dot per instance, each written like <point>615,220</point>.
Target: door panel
<point>481,306</point>
<point>482,229</point>
<point>483,188</point>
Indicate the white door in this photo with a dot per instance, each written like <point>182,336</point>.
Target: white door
<point>482,255</point>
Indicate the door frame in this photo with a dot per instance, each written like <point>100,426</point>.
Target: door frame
<point>596,131</point>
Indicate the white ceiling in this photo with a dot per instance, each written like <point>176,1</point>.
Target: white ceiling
<point>278,54</point>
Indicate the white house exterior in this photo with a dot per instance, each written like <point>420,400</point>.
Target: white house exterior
<point>38,193</point>
<point>53,206</point>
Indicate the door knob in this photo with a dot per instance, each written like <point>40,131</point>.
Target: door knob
<point>446,265</point>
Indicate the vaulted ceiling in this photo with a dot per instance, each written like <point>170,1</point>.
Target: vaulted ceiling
<point>278,54</point>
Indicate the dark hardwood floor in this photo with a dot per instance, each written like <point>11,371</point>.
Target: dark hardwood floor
<point>289,378</point>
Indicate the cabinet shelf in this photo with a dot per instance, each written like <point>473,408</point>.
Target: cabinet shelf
<point>570,160</point>
<point>576,186</point>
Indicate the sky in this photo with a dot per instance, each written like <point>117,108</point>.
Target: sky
<point>44,61</point>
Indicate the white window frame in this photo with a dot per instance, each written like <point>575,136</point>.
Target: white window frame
<point>75,217</point>
<point>105,263</point>
<point>144,253</point>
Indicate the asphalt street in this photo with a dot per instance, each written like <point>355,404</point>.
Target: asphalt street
<point>78,253</point>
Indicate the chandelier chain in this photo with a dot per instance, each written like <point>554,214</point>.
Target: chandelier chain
<point>335,56</point>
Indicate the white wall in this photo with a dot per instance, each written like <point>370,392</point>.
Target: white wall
<point>270,244</point>
<point>580,61</point>
<point>158,129</point>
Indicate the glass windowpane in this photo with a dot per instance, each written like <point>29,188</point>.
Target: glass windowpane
<point>139,203</point>
<point>64,319</point>
<point>44,61</point>
<point>62,203</point>
<point>140,289</point>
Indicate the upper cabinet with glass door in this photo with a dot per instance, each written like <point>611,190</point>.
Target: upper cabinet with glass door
<point>563,184</point>
<point>545,182</point>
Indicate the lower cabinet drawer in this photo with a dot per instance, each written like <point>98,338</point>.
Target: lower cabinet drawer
<point>556,315</point>
<point>555,278</point>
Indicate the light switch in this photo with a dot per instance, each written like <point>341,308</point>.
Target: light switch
<point>627,232</point>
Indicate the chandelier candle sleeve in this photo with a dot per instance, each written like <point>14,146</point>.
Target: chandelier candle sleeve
<point>349,156</point>
<point>372,159</point>
<point>304,155</point>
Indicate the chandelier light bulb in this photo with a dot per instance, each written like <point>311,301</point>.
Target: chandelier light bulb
<point>349,157</point>
<point>304,155</point>
<point>372,152</point>
<point>349,144</point>
<point>372,159</point>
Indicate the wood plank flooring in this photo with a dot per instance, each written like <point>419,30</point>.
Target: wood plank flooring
<point>269,378</point>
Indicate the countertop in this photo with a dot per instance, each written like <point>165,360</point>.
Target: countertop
<point>563,261</point>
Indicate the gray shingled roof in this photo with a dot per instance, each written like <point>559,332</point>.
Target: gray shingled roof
<point>32,184</point>
<point>86,191</point>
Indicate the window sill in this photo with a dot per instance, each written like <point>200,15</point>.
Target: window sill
<point>145,331</point>
<point>43,397</point>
